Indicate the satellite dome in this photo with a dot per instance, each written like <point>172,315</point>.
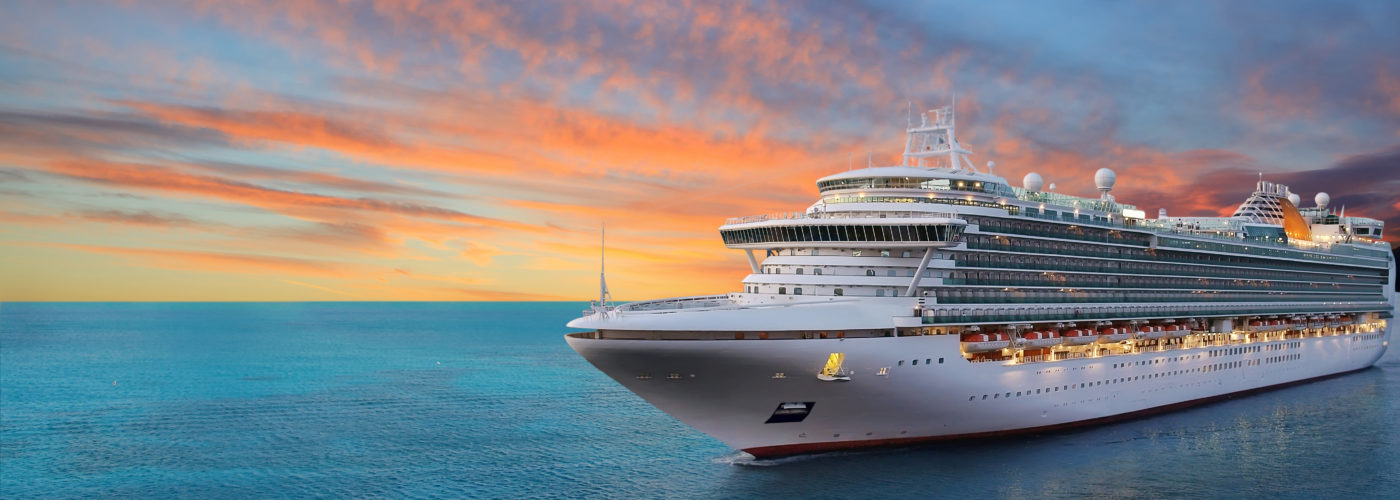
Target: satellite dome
<point>1032,182</point>
<point>1322,200</point>
<point>1294,199</point>
<point>1104,179</point>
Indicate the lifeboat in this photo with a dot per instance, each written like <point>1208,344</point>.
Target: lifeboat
<point>984,342</point>
<point>1114,334</point>
<point>1298,324</point>
<point>1078,337</point>
<point>1151,332</point>
<point>1040,339</point>
<point>1174,331</point>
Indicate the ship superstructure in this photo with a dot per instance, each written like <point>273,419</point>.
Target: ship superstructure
<point>933,300</point>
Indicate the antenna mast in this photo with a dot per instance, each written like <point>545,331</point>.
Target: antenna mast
<point>603,296</point>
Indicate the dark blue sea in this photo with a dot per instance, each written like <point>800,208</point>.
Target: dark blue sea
<point>485,400</point>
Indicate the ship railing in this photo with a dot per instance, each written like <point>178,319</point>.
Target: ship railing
<point>1213,233</point>
<point>693,302</point>
<point>839,215</point>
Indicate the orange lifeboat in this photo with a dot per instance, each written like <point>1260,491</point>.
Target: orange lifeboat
<point>1078,337</point>
<point>1114,334</point>
<point>1040,339</point>
<point>984,342</point>
<point>1151,332</point>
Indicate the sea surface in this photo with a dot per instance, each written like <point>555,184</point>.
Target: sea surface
<point>485,400</point>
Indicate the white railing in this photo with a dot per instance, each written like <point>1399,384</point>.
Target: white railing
<point>840,215</point>
<point>698,301</point>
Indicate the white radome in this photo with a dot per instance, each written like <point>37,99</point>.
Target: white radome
<point>1295,199</point>
<point>1105,178</point>
<point>1032,182</point>
<point>1322,199</point>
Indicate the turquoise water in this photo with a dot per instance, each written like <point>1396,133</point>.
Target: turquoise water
<point>486,400</point>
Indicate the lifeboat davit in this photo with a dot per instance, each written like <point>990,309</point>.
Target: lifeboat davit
<point>1040,339</point>
<point>1114,334</point>
<point>984,342</point>
<point>1078,337</point>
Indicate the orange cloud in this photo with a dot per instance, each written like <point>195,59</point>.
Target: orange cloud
<point>213,261</point>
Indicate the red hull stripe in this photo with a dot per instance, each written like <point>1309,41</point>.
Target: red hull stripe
<point>794,449</point>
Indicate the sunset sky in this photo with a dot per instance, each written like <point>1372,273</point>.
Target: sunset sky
<point>419,150</point>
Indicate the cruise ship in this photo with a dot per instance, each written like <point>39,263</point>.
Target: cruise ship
<point>932,300</point>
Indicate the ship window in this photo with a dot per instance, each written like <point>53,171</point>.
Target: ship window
<point>916,362</point>
<point>782,290</point>
<point>984,396</point>
<point>928,361</point>
<point>884,253</point>
<point>816,271</point>
<point>940,361</point>
<point>797,291</point>
<point>869,272</point>
<point>799,270</point>
<point>855,253</point>
<point>906,253</point>
<point>840,292</point>
<point>889,272</point>
<point>995,396</point>
<point>901,362</point>
<point>880,292</point>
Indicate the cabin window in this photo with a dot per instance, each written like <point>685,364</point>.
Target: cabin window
<point>817,271</point>
<point>782,290</point>
<point>797,291</point>
<point>916,362</point>
<point>884,253</point>
<point>880,292</point>
<point>928,361</point>
<point>869,272</point>
<point>799,270</point>
<point>940,361</point>
<point>840,292</point>
<point>889,272</point>
<point>901,362</point>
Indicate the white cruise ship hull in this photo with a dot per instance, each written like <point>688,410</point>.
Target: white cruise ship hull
<point>730,388</point>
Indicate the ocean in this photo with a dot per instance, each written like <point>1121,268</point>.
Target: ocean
<point>485,400</point>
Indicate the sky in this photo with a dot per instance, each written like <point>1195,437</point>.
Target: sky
<point>419,150</point>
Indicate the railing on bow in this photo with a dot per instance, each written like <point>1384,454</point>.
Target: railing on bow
<point>839,215</point>
<point>694,302</point>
